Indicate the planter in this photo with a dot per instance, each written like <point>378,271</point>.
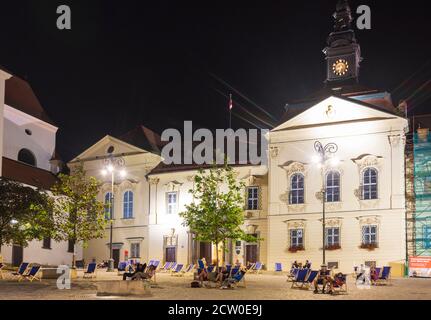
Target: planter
<point>369,246</point>
<point>333,247</point>
<point>295,249</point>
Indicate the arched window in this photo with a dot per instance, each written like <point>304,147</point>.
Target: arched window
<point>369,184</point>
<point>333,186</point>
<point>128,205</point>
<point>26,156</point>
<point>296,189</point>
<point>109,210</point>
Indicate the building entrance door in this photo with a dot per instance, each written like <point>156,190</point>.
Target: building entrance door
<point>17,255</point>
<point>171,254</point>
<point>205,251</point>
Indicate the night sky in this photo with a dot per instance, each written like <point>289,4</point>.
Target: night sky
<point>126,63</point>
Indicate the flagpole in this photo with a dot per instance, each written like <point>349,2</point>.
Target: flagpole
<point>230,111</point>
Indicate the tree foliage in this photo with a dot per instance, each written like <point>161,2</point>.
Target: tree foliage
<point>216,214</point>
<point>25,213</point>
<point>78,215</point>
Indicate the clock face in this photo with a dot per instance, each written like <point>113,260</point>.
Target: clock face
<point>340,67</point>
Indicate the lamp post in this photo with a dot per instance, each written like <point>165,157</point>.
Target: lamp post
<point>324,153</point>
<point>112,165</point>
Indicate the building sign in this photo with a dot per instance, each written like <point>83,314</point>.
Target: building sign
<point>420,267</point>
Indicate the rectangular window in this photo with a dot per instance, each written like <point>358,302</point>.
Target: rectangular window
<point>171,202</point>
<point>427,237</point>
<point>46,243</point>
<point>332,265</point>
<point>369,234</point>
<point>296,238</point>
<point>332,237</point>
<point>135,250</point>
<point>252,198</point>
<point>71,246</point>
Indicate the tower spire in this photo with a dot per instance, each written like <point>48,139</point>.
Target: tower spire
<point>343,53</point>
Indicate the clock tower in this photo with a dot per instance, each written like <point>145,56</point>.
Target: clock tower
<point>343,53</point>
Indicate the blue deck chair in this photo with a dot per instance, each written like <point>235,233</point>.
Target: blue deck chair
<point>31,275</point>
<point>91,270</point>
<point>310,278</point>
<point>122,266</point>
<point>258,267</point>
<point>278,267</point>
<point>177,270</point>
<point>166,267</point>
<point>228,268</point>
<point>384,277</point>
<point>237,279</point>
<point>201,266</point>
<point>234,271</point>
<point>299,279</point>
<point>210,268</point>
<point>293,273</point>
<point>173,266</point>
<point>21,270</point>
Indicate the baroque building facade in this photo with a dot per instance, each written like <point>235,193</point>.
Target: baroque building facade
<point>363,180</point>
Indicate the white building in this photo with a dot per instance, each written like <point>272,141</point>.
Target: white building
<point>28,141</point>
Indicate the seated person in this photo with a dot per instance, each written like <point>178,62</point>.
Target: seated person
<point>203,275</point>
<point>233,279</point>
<point>222,275</point>
<point>140,268</point>
<point>148,274</point>
<point>373,275</point>
<point>323,278</point>
<point>339,280</point>
<point>307,265</point>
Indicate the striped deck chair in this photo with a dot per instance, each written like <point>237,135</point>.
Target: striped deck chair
<point>167,267</point>
<point>278,267</point>
<point>308,283</point>
<point>298,281</point>
<point>31,275</point>
<point>340,283</point>
<point>173,266</point>
<point>257,268</point>
<point>21,271</point>
<point>177,270</point>
<point>91,270</point>
<point>293,273</point>
<point>385,276</point>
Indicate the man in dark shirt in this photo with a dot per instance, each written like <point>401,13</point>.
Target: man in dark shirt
<point>323,278</point>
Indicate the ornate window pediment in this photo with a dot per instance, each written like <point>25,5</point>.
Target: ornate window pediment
<point>173,186</point>
<point>366,220</point>
<point>293,167</point>
<point>296,223</point>
<point>368,160</point>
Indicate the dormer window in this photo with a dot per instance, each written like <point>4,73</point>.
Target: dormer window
<point>26,156</point>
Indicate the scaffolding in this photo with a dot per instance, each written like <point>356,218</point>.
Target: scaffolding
<point>418,189</point>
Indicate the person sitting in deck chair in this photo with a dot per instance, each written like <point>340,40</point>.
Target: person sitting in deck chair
<point>222,275</point>
<point>323,278</point>
<point>148,274</point>
<point>229,282</point>
<point>140,268</point>
<point>307,264</point>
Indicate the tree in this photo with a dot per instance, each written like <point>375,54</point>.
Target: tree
<point>216,214</point>
<point>78,215</point>
<point>25,213</point>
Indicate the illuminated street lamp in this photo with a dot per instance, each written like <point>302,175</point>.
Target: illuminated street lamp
<point>325,153</point>
<point>112,165</point>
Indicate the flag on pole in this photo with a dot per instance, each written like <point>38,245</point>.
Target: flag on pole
<point>230,102</point>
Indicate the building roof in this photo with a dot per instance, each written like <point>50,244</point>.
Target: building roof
<point>24,173</point>
<point>20,95</point>
<point>143,138</point>
<point>355,93</point>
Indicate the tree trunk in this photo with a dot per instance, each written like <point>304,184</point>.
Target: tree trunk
<point>74,256</point>
<point>217,268</point>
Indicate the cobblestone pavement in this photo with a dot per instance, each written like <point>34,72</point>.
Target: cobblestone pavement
<point>264,286</point>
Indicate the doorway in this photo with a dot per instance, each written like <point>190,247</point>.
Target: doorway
<point>116,257</point>
<point>205,251</point>
<point>251,253</point>
<point>171,254</point>
<point>17,255</point>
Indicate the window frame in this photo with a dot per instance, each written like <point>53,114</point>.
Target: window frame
<point>369,185</point>
<point>369,234</point>
<point>49,240</point>
<point>300,191</point>
<point>28,153</point>
<point>109,210</point>
<point>254,198</point>
<point>332,236</point>
<point>426,236</point>
<point>333,196</point>
<point>128,204</point>
<point>171,208</point>
<point>296,243</point>
<point>132,249</point>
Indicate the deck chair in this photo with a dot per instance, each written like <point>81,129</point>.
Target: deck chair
<point>308,283</point>
<point>177,269</point>
<point>292,275</point>
<point>238,279</point>
<point>122,266</point>
<point>278,267</point>
<point>340,284</point>
<point>385,276</point>
<point>31,275</point>
<point>21,270</point>
<point>251,267</point>
<point>299,279</point>
<point>91,270</point>
<point>256,268</point>
<point>167,267</point>
<point>189,268</point>
<point>228,268</point>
